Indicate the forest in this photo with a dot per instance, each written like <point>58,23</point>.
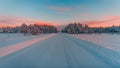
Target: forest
<point>72,28</point>
<point>77,28</point>
<point>34,29</point>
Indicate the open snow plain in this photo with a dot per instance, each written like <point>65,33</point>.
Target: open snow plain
<point>59,51</point>
<point>111,41</point>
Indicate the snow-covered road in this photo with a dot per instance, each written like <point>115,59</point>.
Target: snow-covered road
<point>62,51</point>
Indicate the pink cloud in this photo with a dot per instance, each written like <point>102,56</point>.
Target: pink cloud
<point>105,21</point>
<point>13,21</point>
<point>16,21</point>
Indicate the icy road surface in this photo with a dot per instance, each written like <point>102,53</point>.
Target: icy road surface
<point>61,51</point>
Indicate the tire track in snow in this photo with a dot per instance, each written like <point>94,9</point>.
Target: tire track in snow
<point>103,57</point>
<point>68,54</point>
<point>16,47</point>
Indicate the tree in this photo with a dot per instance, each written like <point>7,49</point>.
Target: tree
<point>8,31</point>
<point>86,29</point>
<point>24,29</point>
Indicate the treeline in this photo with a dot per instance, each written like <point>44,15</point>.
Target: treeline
<point>77,28</point>
<point>30,29</point>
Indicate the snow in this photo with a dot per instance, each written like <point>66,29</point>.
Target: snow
<point>10,49</point>
<point>61,51</point>
<point>16,38</point>
<point>111,41</point>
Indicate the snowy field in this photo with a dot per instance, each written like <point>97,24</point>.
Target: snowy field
<point>59,51</point>
<point>111,41</point>
<point>6,40</point>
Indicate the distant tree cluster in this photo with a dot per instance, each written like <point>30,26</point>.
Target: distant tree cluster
<point>77,28</point>
<point>113,29</point>
<point>30,29</point>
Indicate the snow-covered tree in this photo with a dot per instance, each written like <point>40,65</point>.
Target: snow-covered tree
<point>25,29</point>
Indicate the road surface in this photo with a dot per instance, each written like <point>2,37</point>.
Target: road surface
<point>58,51</point>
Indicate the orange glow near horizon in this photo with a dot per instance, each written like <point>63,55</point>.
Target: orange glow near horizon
<point>103,25</point>
<point>97,24</point>
<point>16,21</point>
<point>43,23</point>
<point>7,25</point>
<point>107,24</point>
<point>18,24</point>
<point>10,21</point>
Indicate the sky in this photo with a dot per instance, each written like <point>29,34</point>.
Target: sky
<point>95,13</point>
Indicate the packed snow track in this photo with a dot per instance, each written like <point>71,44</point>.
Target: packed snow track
<point>60,51</point>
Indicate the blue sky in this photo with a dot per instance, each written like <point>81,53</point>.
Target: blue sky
<point>60,11</point>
